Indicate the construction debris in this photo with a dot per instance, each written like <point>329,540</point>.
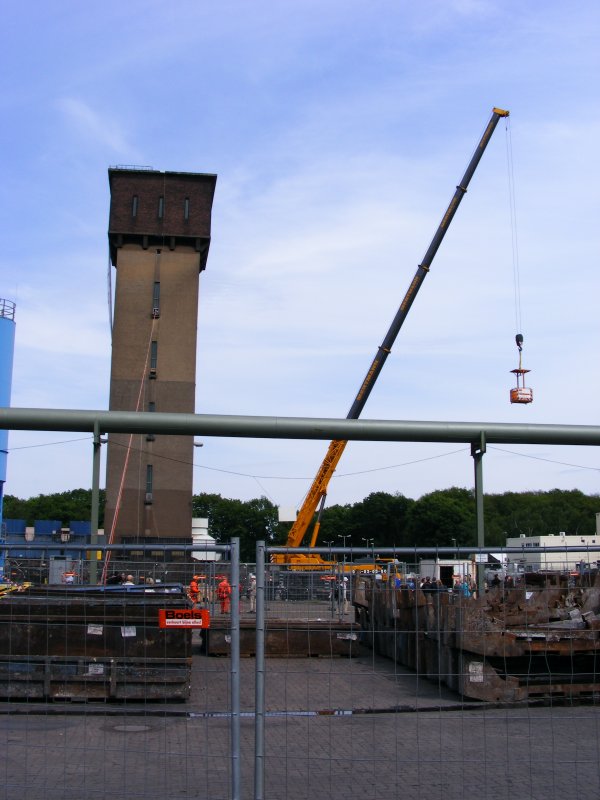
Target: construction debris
<point>539,639</point>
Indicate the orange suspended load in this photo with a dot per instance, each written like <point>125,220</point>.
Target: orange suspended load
<point>520,393</point>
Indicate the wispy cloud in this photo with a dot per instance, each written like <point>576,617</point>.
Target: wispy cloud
<point>97,128</point>
<point>339,131</point>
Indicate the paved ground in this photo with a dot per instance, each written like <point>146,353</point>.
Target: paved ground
<point>335,728</point>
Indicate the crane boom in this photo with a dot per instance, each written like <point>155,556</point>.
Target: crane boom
<point>318,490</point>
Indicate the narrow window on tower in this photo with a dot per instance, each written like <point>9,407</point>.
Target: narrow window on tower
<point>186,208</point>
<point>161,207</point>
<point>134,205</point>
<point>150,437</point>
<point>156,300</point>
<point>153,358</point>
<point>149,480</point>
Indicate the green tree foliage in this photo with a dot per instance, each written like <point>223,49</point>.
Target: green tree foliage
<point>539,513</point>
<point>380,516</point>
<point>440,517</point>
<point>390,520</point>
<point>337,521</point>
<point>251,520</point>
<point>67,507</point>
<point>383,517</point>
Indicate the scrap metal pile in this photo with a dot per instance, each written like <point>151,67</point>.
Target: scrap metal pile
<point>539,639</point>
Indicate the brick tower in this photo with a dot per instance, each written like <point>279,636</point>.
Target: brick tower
<point>159,235</point>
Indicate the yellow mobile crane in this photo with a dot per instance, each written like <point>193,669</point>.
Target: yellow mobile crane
<point>315,499</point>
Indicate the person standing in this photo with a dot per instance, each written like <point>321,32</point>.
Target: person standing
<point>194,590</point>
<point>252,593</point>
<point>473,586</point>
<point>224,595</point>
<point>344,594</point>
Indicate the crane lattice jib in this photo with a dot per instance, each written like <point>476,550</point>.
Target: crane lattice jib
<point>319,486</point>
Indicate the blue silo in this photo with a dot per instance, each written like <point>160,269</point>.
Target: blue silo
<point>7,349</point>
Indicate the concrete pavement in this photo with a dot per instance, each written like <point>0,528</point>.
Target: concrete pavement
<point>335,728</point>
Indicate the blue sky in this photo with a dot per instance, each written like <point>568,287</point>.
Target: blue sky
<point>338,131</point>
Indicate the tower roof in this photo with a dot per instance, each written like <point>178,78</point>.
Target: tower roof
<point>152,208</point>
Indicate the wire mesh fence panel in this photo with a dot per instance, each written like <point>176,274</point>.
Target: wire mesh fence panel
<point>358,688</point>
<point>439,688</point>
<point>106,690</point>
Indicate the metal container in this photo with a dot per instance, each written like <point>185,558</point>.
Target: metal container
<point>93,643</point>
<point>47,527</point>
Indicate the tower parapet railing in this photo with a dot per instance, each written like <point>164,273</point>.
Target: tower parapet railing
<point>7,309</point>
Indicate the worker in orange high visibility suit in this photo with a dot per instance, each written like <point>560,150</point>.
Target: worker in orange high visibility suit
<point>224,595</point>
<point>194,590</point>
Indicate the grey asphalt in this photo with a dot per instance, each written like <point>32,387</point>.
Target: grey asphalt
<point>341,728</point>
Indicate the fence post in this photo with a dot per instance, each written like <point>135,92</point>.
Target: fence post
<point>212,588</point>
<point>93,565</point>
<point>235,669</point>
<point>259,668</point>
<point>477,451</point>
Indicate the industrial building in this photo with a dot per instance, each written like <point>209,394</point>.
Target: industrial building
<point>159,236</point>
<point>535,557</point>
<point>34,553</point>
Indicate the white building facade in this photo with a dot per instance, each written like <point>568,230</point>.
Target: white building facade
<point>575,551</point>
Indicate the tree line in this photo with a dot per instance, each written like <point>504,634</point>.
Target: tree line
<point>442,518</point>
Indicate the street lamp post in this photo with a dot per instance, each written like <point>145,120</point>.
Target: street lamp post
<point>344,536</point>
<point>371,543</point>
<point>331,584</point>
<point>344,589</point>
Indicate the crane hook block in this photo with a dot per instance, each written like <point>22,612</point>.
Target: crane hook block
<point>520,393</point>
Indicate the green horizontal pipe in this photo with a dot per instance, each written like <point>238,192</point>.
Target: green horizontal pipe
<point>294,427</point>
<point>448,552</point>
<point>73,544</point>
<point>366,552</point>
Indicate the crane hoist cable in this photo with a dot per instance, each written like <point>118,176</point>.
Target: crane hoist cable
<point>513,228</point>
<point>115,518</point>
<point>520,394</point>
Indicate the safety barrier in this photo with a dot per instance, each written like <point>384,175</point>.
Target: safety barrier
<point>296,685</point>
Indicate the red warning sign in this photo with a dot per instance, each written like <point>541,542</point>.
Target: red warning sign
<point>183,618</point>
